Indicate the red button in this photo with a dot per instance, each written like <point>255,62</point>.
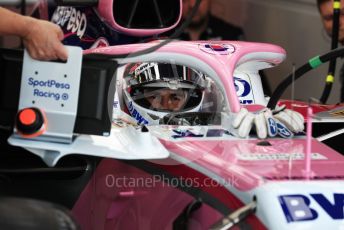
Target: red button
<point>27,117</point>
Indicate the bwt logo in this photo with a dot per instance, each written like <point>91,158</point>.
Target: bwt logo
<point>243,89</point>
<point>136,114</point>
<point>297,207</point>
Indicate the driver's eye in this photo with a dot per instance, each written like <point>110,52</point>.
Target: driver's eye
<point>176,98</point>
<point>155,97</point>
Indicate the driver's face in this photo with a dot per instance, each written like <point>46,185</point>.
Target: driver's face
<point>166,99</point>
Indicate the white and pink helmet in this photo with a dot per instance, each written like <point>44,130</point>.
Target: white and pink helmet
<point>153,90</point>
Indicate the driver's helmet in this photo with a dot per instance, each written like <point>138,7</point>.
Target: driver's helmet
<point>152,90</point>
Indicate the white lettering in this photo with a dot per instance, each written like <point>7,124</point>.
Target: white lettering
<point>77,21</point>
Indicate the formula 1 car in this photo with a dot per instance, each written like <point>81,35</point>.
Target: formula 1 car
<point>268,177</point>
<point>190,169</point>
<point>180,167</point>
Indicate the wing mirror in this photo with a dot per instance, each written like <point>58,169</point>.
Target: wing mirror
<point>135,17</point>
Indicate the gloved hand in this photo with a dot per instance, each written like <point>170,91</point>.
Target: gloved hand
<point>282,122</point>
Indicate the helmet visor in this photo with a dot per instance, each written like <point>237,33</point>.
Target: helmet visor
<point>165,87</point>
<point>154,74</point>
<point>165,99</point>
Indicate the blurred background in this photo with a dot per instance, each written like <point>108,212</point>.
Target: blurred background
<point>296,26</point>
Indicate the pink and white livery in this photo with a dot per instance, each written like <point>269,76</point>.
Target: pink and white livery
<point>197,170</point>
<point>192,142</point>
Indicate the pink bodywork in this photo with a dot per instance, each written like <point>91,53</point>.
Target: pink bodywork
<point>107,205</point>
<point>228,159</point>
<point>112,207</point>
<point>102,207</point>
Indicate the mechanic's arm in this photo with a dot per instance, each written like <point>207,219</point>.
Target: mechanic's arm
<point>41,38</point>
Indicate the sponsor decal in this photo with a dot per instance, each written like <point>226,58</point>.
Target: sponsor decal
<point>217,48</point>
<point>246,102</point>
<point>46,89</point>
<point>283,131</point>
<point>48,83</point>
<point>134,113</point>
<point>297,207</point>
<point>115,104</point>
<point>272,126</point>
<point>70,19</point>
<point>144,67</point>
<point>243,89</point>
<point>278,156</point>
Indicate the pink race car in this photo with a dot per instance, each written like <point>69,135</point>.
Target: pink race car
<point>181,152</point>
<point>193,144</point>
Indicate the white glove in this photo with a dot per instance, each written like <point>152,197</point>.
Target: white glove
<point>292,119</point>
<point>283,123</point>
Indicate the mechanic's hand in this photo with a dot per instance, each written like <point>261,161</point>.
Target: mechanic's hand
<point>284,122</point>
<point>42,39</point>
